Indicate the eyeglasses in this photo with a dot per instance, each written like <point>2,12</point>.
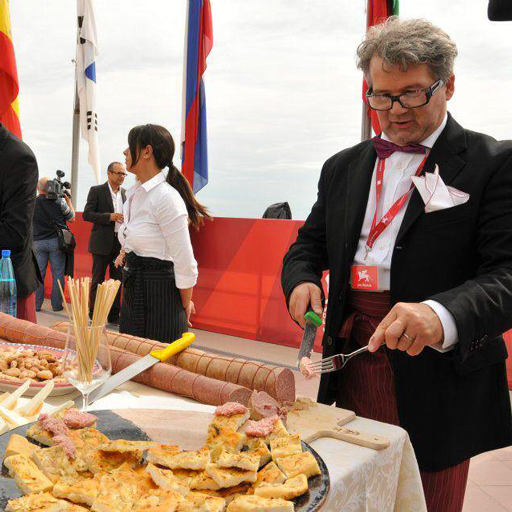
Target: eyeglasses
<point>409,99</point>
<point>123,174</point>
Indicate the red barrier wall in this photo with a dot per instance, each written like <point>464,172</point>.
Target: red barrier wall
<point>239,291</point>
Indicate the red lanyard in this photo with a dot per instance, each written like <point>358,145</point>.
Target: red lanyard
<point>377,229</point>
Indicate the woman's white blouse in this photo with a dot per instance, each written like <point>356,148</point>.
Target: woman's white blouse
<point>156,225</point>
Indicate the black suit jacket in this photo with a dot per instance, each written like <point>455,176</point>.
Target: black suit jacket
<point>97,210</point>
<point>456,404</point>
<point>18,183</point>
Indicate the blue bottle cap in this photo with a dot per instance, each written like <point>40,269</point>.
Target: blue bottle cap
<point>6,253</point>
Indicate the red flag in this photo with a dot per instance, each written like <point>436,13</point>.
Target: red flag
<point>9,114</point>
<point>378,12</point>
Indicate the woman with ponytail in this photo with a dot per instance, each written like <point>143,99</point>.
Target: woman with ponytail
<point>159,269</point>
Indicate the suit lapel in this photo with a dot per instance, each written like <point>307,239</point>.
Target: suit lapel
<point>359,179</point>
<point>445,153</point>
<point>109,197</point>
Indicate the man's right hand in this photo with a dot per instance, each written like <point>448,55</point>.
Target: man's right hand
<point>304,295</point>
<point>117,217</point>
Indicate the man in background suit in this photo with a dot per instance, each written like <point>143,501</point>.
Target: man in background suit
<point>18,182</point>
<point>439,290</point>
<point>104,208</point>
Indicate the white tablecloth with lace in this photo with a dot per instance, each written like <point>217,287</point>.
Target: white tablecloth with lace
<point>362,480</point>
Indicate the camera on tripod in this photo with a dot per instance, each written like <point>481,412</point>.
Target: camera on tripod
<point>56,188</point>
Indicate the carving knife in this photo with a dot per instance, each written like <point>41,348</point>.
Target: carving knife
<point>156,356</point>
<point>313,322</point>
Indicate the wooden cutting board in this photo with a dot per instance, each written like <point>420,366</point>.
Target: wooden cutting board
<point>315,420</point>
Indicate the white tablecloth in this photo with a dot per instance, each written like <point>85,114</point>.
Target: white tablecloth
<point>362,480</point>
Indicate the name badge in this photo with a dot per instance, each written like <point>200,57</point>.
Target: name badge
<point>364,277</point>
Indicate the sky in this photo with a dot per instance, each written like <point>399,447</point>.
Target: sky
<point>282,88</point>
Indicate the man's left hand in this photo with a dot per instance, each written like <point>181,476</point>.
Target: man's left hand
<point>408,327</point>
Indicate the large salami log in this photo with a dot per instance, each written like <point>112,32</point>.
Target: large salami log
<point>278,382</point>
<point>162,376</point>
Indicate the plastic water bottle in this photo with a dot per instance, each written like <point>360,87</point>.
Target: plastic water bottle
<point>8,296</point>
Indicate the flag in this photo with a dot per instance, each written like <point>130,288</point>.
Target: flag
<point>378,12</point>
<point>86,52</point>
<point>198,44</point>
<point>9,112</point>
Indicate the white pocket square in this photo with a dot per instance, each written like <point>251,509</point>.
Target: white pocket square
<point>435,194</point>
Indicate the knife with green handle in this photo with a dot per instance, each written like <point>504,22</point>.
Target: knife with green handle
<point>313,322</point>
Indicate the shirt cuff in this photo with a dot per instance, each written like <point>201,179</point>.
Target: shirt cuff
<point>185,281</point>
<point>451,336</point>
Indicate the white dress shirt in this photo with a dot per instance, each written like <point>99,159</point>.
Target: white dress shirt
<point>400,167</point>
<point>117,200</point>
<point>156,226</point>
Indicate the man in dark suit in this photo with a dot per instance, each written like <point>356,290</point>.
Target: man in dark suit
<point>105,209</point>
<point>18,182</point>
<point>426,282</point>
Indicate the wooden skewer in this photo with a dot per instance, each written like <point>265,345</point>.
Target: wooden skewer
<point>88,335</point>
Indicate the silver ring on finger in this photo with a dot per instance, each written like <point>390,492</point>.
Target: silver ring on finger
<point>409,338</point>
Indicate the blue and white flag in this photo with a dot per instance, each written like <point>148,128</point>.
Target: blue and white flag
<point>86,52</point>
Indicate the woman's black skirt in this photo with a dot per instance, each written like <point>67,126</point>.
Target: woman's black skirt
<point>152,306</point>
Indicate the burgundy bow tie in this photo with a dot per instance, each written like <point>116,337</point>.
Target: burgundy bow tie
<point>386,148</point>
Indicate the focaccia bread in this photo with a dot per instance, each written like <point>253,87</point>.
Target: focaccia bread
<point>300,463</point>
<point>54,463</point>
<point>204,482</point>
<point>247,461</point>
<point>284,446</point>
<point>270,474</point>
<point>19,445</point>
<point>229,477</point>
<point>78,490</point>
<point>292,488</point>
<point>158,500</point>
<point>230,422</point>
<point>258,447</point>
<point>166,480</point>
<point>114,496</point>
<point>259,504</point>
<point>98,461</point>
<point>121,445</point>
<point>31,502</point>
<point>28,477</point>
<point>194,459</point>
<point>198,502</point>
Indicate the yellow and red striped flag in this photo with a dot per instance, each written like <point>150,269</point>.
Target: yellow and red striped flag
<point>9,112</point>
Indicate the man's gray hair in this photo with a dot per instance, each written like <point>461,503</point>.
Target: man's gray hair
<point>408,42</point>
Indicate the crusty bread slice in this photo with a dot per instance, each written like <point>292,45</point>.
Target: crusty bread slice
<point>203,482</point>
<point>259,504</point>
<point>246,460</point>
<point>270,474</point>
<point>194,459</point>
<point>98,461</point>
<point>258,447</point>
<point>121,445</point>
<point>285,446</point>
<point>28,477</point>
<point>299,463</point>
<point>198,502</point>
<point>229,477</point>
<point>41,501</point>
<point>19,445</point>
<point>114,496</point>
<point>166,480</point>
<point>54,463</point>
<point>229,423</point>
<point>78,490</point>
<point>158,500</point>
<point>292,488</point>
